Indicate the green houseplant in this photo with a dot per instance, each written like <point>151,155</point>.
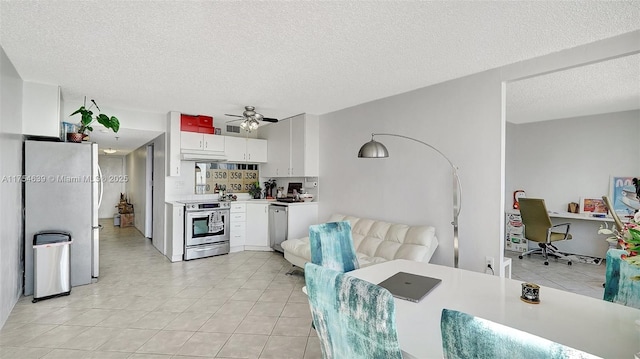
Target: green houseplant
<point>255,191</point>
<point>88,119</point>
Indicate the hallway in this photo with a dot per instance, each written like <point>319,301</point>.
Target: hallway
<point>240,305</point>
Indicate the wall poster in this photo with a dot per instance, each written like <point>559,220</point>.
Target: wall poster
<point>624,195</point>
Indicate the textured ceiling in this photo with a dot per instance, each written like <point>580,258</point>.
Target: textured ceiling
<point>283,57</point>
<point>609,86</point>
<point>125,141</point>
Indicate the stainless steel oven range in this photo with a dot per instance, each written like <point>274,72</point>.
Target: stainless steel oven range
<point>206,229</point>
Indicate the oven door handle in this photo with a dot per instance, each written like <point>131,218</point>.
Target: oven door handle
<point>205,248</point>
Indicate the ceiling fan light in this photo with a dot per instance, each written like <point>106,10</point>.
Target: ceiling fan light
<point>110,151</point>
<point>253,124</point>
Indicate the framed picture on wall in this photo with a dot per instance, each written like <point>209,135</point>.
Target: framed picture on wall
<point>592,205</point>
<point>623,192</point>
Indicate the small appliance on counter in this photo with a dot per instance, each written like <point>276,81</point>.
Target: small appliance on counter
<point>293,193</point>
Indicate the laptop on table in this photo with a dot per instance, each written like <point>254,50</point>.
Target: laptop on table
<point>408,286</point>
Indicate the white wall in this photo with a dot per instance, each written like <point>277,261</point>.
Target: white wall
<point>114,183</point>
<point>563,160</point>
<point>135,163</point>
<point>10,191</point>
<point>464,118</point>
<point>159,192</point>
<point>183,186</point>
<point>131,119</point>
<point>414,185</point>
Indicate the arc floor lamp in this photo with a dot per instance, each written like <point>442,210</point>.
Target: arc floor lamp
<point>375,149</point>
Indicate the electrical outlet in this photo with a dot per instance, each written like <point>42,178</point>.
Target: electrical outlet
<point>488,262</point>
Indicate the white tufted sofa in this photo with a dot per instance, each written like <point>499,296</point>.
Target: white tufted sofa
<point>374,242</point>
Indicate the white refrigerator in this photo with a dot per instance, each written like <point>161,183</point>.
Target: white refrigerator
<point>62,191</point>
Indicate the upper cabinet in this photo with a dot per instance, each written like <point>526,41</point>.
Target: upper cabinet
<point>293,147</point>
<point>240,149</point>
<point>41,109</point>
<point>192,146</point>
<point>279,151</point>
<point>201,141</point>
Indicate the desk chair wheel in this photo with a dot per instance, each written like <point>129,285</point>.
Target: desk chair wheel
<point>546,263</point>
<point>520,257</point>
<point>569,263</point>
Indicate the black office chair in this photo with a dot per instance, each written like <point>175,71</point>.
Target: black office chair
<point>538,228</point>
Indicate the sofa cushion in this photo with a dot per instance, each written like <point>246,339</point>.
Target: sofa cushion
<point>374,242</point>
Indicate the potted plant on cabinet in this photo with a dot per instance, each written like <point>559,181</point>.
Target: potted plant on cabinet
<point>88,119</point>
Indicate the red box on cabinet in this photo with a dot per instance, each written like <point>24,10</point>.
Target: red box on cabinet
<point>205,121</point>
<point>189,123</point>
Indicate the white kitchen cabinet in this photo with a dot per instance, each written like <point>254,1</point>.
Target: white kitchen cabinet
<point>201,141</point>
<point>293,149</point>
<point>173,143</point>
<point>238,226</point>
<point>257,226</point>
<point>257,150</point>
<point>41,110</point>
<point>175,231</point>
<point>279,151</point>
<point>240,149</point>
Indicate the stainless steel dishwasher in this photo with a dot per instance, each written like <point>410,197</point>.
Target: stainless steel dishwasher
<point>278,225</point>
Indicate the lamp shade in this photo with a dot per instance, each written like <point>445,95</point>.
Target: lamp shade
<point>373,149</point>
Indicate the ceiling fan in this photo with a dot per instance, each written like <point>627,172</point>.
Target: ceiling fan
<point>251,119</point>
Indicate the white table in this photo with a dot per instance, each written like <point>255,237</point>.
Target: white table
<point>595,326</point>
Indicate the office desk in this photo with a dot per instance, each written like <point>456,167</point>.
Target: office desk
<point>584,229</point>
<point>595,326</point>
<point>580,216</point>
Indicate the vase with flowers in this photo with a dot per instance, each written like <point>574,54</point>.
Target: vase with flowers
<point>88,119</point>
<point>622,283</point>
<point>628,238</point>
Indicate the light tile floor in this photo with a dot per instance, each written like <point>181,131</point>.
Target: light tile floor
<point>240,305</point>
<point>580,278</point>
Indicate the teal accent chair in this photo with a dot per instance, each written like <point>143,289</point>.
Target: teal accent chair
<point>354,319</point>
<point>465,336</point>
<point>331,246</point>
<point>622,281</point>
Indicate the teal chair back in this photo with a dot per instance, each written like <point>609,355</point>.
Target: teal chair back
<point>354,319</point>
<point>622,280</point>
<point>465,336</point>
<point>331,246</point>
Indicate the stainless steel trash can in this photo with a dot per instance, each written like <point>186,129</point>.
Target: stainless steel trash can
<point>51,261</point>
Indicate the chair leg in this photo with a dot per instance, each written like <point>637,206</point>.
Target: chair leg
<point>295,271</point>
<point>546,249</point>
<point>553,250</point>
<point>529,252</point>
